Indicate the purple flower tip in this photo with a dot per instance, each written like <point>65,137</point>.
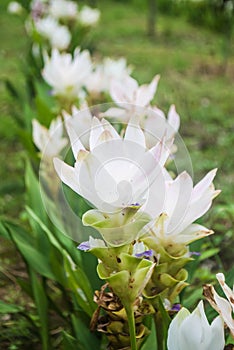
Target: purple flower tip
<point>84,246</point>
<point>135,205</point>
<point>146,254</point>
<point>195,253</point>
<point>176,307</point>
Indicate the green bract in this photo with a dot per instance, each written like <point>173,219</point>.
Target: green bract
<point>118,228</point>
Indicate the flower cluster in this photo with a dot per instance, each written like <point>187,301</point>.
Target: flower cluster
<point>53,22</point>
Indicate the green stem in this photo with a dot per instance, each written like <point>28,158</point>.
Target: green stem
<point>159,330</point>
<point>131,324</point>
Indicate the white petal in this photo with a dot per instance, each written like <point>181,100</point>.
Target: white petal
<point>74,139</point>
<point>227,290</point>
<point>67,174</point>
<point>217,340</point>
<point>191,332</point>
<point>173,119</point>
<point>114,112</point>
<point>135,134</point>
<point>204,184</point>
<point>145,93</point>
<point>95,133</point>
<point>174,330</point>
<point>177,198</point>
<point>192,233</point>
<point>40,135</point>
<point>160,152</point>
<point>96,243</point>
<point>107,126</point>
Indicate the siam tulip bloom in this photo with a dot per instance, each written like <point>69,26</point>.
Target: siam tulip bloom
<point>14,7</point>
<point>88,16</point>
<point>63,9</point>
<point>224,307</point>
<point>115,176</point>
<point>182,206</point>
<point>58,35</point>
<point>100,80</point>
<point>128,95</point>
<point>193,332</point>
<point>49,141</point>
<point>67,74</point>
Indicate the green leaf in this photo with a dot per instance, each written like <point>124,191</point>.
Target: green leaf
<point>9,308</point>
<point>86,339</point>
<point>57,238</point>
<point>26,244</point>
<point>69,343</point>
<point>12,90</point>
<point>165,317</point>
<point>151,340</point>
<point>42,226</point>
<point>44,113</point>
<point>42,307</point>
<point>3,231</point>
<point>79,284</point>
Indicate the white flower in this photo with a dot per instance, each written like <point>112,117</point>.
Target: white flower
<point>61,38</point>
<point>58,35</point>
<point>14,7</point>
<point>183,204</point>
<point>67,74</point>
<point>61,9</point>
<point>114,176</point>
<point>193,332</point>
<point>100,80</point>
<point>117,172</point>
<point>49,141</point>
<point>224,307</point>
<point>88,16</point>
<point>128,95</point>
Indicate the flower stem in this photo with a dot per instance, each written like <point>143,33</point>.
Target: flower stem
<point>131,324</point>
<point>158,322</point>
